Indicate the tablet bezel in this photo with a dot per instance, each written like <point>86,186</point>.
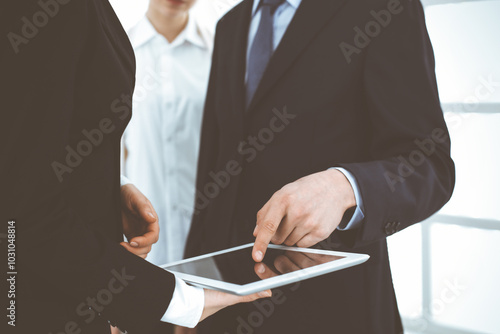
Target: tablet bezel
<point>348,260</point>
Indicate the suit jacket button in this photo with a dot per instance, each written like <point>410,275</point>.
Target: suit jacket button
<point>388,229</point>
<point>394,229</point>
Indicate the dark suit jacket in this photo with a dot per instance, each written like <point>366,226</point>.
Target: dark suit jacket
<point>68,89</point>
<point>367,104</point>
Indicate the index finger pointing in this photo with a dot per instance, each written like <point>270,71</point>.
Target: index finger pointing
<point>268,226</point>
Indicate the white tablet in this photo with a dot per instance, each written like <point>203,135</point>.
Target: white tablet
<point>234,271</point>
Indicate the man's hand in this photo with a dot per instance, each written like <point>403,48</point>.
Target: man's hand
<point>139,220</point>
<point>216,300</point>
<point>304,212</point>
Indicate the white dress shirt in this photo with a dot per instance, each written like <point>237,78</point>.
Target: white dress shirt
<point>162,142</point>
<point>162,139</point>
<point>282,18</point>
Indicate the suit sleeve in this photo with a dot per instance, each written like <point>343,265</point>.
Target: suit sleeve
<point>57,250</point>
<point>207,158</point>
<point>410,174</point>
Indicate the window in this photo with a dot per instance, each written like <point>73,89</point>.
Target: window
<point>446,270</point>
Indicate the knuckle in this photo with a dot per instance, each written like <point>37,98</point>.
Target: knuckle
<point>298,211</point>
<point>142,203</point>
<point>322,233</point>
<point>269,226</point>
<point>287,197</point>
<point>276,196</point>
<point>260,215</point>
<point>310,224</point>
<point>287,187</point>
<point>278,240</point>
<point>302,243</point>
<point>284,195</point>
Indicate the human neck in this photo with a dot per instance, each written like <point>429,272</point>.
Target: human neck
<point>169,26</point>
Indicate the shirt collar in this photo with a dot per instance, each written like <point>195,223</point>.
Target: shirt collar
<point>143,32</point>
<point>193,34</point>
<point>294,3</point>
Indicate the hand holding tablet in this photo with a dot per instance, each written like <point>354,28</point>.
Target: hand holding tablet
<point>217,300</point>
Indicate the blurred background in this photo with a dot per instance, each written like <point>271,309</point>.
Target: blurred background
<point>446,270</point>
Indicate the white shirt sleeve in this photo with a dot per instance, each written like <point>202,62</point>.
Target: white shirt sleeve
<point>358,215</point>
<point>186,306</point>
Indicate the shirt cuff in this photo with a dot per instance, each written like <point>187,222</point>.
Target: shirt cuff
<point>358,215</point>
<point>124,180</point>
<point>186,306</point>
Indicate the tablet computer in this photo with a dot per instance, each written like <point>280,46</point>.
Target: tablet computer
<point>234,271</point>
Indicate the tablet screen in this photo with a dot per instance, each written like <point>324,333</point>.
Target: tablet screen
<point>238,267</point>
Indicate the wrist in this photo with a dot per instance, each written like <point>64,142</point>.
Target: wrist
<point>342,188</point>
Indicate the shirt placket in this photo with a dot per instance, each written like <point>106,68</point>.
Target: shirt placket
<point>168,125</point>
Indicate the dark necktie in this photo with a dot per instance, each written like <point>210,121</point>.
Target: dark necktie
<point>262,47</point>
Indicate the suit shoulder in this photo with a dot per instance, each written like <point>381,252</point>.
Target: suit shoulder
<point>39,26</point>
<point>403,14</point>
<point>234,13</point>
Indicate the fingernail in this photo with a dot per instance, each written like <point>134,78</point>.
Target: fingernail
<point>261,269</point>
<point>134,244</point>
<point>258,256</point>
<point>151,215</point>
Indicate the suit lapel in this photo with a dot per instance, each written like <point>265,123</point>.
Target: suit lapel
<point>310,17</point>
